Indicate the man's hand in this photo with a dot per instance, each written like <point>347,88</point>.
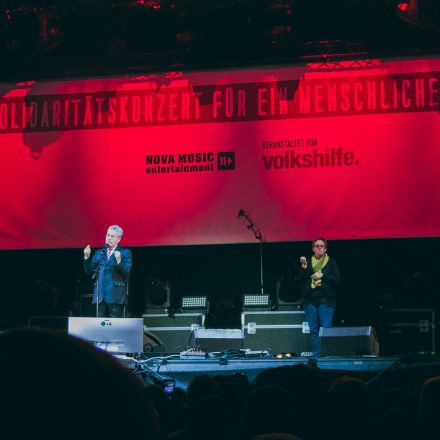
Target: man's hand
<point>317,276</point>
<point>118,256</point>
<point>87,251</point>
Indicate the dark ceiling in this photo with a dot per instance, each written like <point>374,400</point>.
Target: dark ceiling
<point>74,38</point>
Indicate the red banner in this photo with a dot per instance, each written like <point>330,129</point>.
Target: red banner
<point>343,152</point>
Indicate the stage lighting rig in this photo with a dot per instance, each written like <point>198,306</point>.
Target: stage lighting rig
<point>194,303</point>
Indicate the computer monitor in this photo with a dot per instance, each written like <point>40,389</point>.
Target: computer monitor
<point>115,335</point>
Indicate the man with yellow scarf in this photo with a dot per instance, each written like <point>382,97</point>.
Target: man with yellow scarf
<point>319,277</point>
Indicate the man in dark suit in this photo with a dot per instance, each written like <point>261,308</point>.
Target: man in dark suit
<point>110,268</point>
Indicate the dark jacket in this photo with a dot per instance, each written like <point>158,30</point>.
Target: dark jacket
<point>330,280</point>
<point>111,277</point>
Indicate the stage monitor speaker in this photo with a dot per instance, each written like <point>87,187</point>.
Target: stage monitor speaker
<point>210,339</point>
<point>349,341</point>
<point>174,331</point>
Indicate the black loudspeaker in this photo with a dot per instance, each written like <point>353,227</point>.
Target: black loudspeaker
<point>174,331</point>
<point>158,294</point>
<point>349,341</point>
<point>288,291</point>
<point>210,339</point>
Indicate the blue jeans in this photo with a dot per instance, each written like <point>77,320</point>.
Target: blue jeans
<point>319,315</point>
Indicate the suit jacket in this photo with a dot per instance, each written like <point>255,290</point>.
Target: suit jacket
<point>111,278</point>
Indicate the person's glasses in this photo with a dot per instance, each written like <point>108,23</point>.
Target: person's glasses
<point>318,245</point>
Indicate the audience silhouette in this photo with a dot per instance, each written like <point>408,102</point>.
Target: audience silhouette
<point>57,386</point>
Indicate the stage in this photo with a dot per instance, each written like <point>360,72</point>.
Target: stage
<point>352,351</point>
<point>369,368</point>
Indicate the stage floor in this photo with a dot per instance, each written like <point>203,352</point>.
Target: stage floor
<point>184,370</point>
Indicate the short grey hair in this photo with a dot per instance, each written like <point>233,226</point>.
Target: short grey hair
<point>117,229</point>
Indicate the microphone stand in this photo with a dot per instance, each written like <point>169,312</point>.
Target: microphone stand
<point>126,292</point>
<point>259,236</point>
<point>95,277</point>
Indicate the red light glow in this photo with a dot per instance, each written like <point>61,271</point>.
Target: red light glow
<point>402,6</point>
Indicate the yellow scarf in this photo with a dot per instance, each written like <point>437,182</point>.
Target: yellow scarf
<point>318,265</point>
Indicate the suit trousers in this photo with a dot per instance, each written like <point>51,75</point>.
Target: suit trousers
<point>111,310</point>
